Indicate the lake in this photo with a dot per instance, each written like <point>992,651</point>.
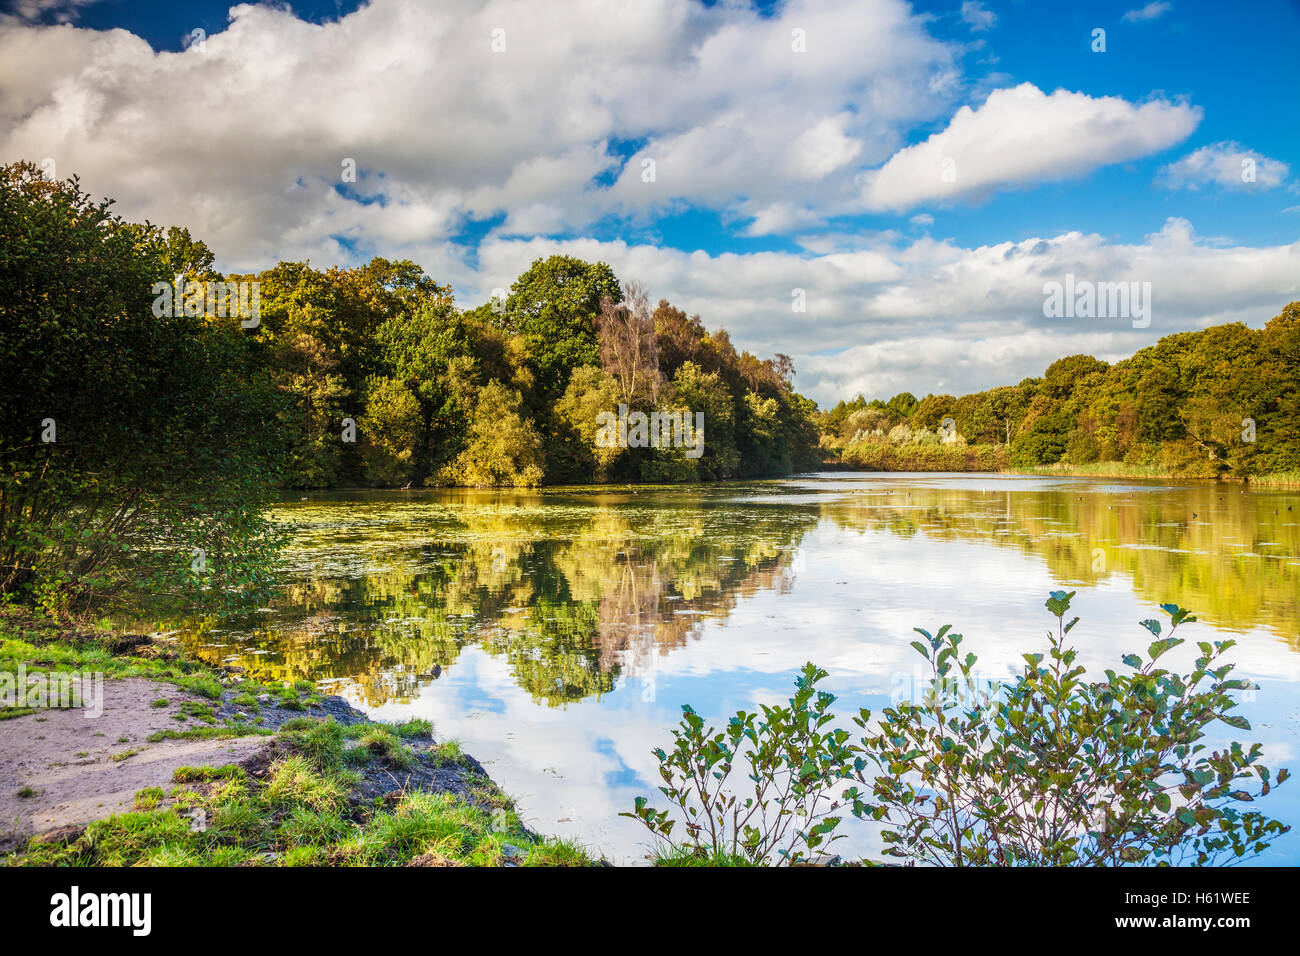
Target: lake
<point>557,633</point>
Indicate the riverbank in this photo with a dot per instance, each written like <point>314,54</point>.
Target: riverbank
<point>960,461</point>
<point>159,760</point>
<point>1115,469</point>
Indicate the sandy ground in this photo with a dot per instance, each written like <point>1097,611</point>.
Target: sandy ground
<point>66,757</point>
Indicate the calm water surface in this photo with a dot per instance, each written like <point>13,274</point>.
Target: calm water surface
<point>556,634</point>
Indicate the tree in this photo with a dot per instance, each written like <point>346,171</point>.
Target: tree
<point>590,392</point>
<point>932,410</point>
<point>553,306</point>
<point>629,349</point>
<point>135,452</point>
<point>680,338</point>
<point>901,406</point>
<point>699,391</point>
<point>429,351</point>
<point>502,447</point>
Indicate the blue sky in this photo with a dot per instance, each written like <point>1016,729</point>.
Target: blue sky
<point>776,168</point>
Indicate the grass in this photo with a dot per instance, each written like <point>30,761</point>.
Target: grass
<point>301,811</point>
<point>684,856</point>
<point>206,774</point>
<point>1119,469</point>
<point>1101,469</point>
<point>208,733</point>
<point>44,647</point>
<point>197,710</point>
<point>1281,479</point>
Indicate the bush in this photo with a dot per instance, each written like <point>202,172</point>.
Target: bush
<point>792,763</point>
<point>1055,770</point>
<point>1049,769</point>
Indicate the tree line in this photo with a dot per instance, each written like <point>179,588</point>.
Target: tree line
<point>145,434</point>
<point>511,392</point>
<point>1220,402</point>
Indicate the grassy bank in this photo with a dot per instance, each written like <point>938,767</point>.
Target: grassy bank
<point>882,456</point>
<point>1119,469</point>
<point>320,794</point>
<point>316,790</point>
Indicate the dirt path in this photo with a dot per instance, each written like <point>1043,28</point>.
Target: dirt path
<point>64,762</point>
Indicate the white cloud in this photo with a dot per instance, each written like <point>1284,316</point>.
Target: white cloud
<point>1151,11</point>
<point>927,315</point>
<point>1022,135</point>
<point>242,139</point>
<point>1229,165</point>
<point>977,16</point>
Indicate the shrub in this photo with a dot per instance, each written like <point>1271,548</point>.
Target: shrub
<point>1049,769</point>
<point>1052,769</point>
<point>792,763</point>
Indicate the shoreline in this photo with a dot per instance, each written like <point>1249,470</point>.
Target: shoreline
<point>311,779</point>
<point>1130,473</point>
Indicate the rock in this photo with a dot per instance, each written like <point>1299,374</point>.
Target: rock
<point>821,859</point>
<point>263,698</point>
<point>60,836</point>
<point>513,854</point>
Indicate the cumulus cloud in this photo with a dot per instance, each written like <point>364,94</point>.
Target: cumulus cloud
<point>1227,165</point>
<point>1023,135</point>
<point>243,139</point>
<point>476,109</point>
<point>36,11</point>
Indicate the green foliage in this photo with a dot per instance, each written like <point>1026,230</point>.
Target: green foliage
<point>706,392</point>
<point>502,446</point>
<point>428,354</point>
<point>792,764</point>
<point>421,379</point>
<point>1049,769</point>
<point>1220,402</point>
<point>1055,770</point>
<point>161,460</point>
<point>553,307</point>
<point>590,391</point>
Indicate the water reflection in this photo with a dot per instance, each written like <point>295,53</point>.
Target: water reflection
<point>1231,554</point>
<point>571,595</point>
<point>556,634</point>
